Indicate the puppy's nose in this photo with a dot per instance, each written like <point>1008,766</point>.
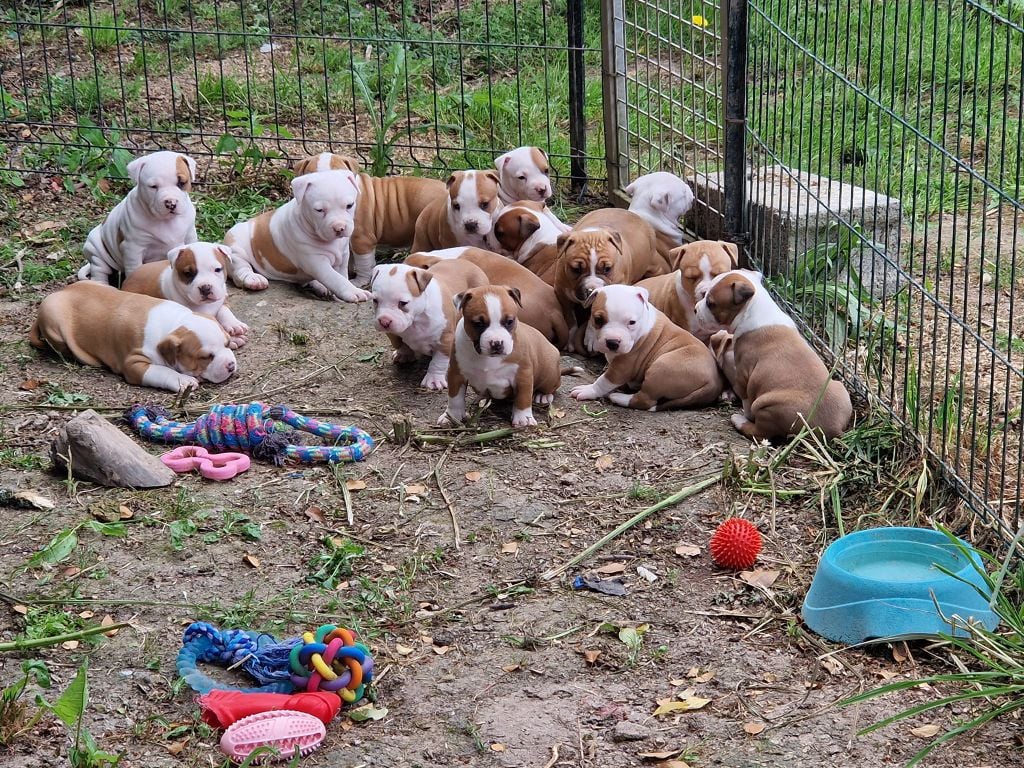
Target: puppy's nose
<point>384,322</point>
<point>542,191</point>
<point>612,344</point>
<point>472,226</point>
<point>340,229</point>
<point>497,345</point>
<point>231,367</point>
<point>206,290</point>
<point>170,205</point>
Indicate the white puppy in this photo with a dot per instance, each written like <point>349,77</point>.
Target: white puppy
<point>662,199</point>
<point>525,174</point>
<point>195,276</point>
<point>305,241</point>
<point>155,216</point>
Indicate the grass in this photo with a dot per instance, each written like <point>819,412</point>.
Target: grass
<point>102,30</point>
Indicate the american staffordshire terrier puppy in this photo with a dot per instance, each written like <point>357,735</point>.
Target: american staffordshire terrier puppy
<point>386,211</point>
<point>305,241</point>
<point>415,308</point>
<point>525,174</point>
<point>195,276</point>
<point>499,357</point>
<point>779,379</point>
<point>667,366</point>
<point>539,308</point>
<point>522,231</point>
<point>676,294</point>
<point>151,342</point>
<point>155,216</point>
<point>463,217</point>
<point>662,199</point>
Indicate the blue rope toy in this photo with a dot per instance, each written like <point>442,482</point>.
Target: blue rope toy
<point>260,655</point>
<point>256,428</point>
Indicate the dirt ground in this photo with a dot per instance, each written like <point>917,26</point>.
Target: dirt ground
<point>481,662</point>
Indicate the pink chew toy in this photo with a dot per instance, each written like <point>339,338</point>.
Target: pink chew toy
<point>287,731</point>
<point>213,466</point>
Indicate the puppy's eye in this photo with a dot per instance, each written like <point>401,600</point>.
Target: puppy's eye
<point>711,304</point>
<point>349,206</point>
<point>521,177</point>
<point>599,321</point>
<point>190,273</point>
<point>485,206</point>
<point>207,356</point>
<point>403,304</point>
<point>577,268</point>
<point>218,270</point>
<point>606,268</point>
<point>181,184</point>
<point>479,324</point>
<point>456,207</point>
<point>632,322</point>
<point>508,321</point>
<point>376,301</point>
<point>154,186</point>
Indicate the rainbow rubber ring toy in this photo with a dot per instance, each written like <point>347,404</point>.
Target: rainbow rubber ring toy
<point>331,660</point>
<point>212,466</point>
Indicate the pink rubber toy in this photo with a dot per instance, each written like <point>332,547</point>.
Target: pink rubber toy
<point>213,466</point>
<point>287,731</point>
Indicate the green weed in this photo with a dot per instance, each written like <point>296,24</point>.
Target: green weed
<point>102,30</point>
<point>14,717</point>
<point>13,458</point>
<point>334,562</point>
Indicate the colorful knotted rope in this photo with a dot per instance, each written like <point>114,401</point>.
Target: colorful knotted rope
<point>331,660</point>
<point>255,428</point>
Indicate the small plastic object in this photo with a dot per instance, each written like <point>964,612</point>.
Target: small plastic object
<point>885,583</point>
<point>222,708</point>
<point>331,660</point>
<point>213,466</point>
<point>287,731</point>
<point>736,544</point>
<point>597,584</point>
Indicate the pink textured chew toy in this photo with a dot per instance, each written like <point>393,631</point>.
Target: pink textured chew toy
<point>287,731</point>
<point>213,466</point>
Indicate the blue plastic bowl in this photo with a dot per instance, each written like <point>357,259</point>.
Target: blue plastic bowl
<point>883,584</point>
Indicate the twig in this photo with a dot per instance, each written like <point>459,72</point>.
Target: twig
<point>448,503</point>
<point>554,757</point>
<point>40,642</point>
<point>675,498</point>
<point>346,496</point>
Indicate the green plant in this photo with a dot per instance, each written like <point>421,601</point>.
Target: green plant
<point>70,709</point>
<point>14,719</point>
<point>246,153</point>
<point>102,30</point>
<point>334,562</point>
<point>15,459</point>
<point>94,157</point>
<point>57,396</point>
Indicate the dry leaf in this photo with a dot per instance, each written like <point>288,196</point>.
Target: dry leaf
<point>21,609</point>
<point>760,578</point>
<point>388,568</point>
<point>831,666</point>
<point>403,650</point>
<point>926,731</point>
<point>887,675</point>
<point>690,703</point>
<point>414,490</point>
<point>611,569</point>
<point>71,570</point>
<point>30,384</point>
<point>687,550</point>
<point>69,645</point>
<point>86,615</point>
<point>753,728</point>
<point>696,675</point>
<point>251,560</point>
<point>358,485</point>
<point>125,513</point>
<point>473,476</point>
<point>106,621</point>
<point>900,652</point>
<point>557,413</point>
<point>509,548</point>
<point>316,515</point>
<point>591,656</point>
<point>603,462</point>
<point>512,668</point>
<point>659,755</point>
<point>176,747</point>
<point>441,650</point>
<point>673,764</point>
<point>497,747</point>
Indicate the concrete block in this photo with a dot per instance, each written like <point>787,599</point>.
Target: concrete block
<point>793,211</point>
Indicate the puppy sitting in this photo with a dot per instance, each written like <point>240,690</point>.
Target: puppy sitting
<point>525,174</point>
<point>667,366</point>
<point>195,276</point>
<point>662,199</point>
<point>305,241</point>
<point>779,379</point>
<point>463,216</point>
<point>697,264</point>
<point>386,211</point>
<point>499,357</point>
<point>415,308</point>
<point>524,232</point>
<point>155,216</point>
<point>151,342</point>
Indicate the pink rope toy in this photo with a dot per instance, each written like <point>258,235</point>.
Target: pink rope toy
<point>213,466</point>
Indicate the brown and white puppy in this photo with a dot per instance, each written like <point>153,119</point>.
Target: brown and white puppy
<point>499,357</point>
<point>305,241</point>
<point>662,199</point>
<point>667,366</point>
<point>523,232</point>
<point>779,379</point>
<point>195,276</point>
<point>696,265</point>
<point>386,211</point>
<point>463,217</point>
<point>525,174</point>
<point>151,342</point>
<point>155,216</point>
<point>415,308</point>
<point>540,308</point>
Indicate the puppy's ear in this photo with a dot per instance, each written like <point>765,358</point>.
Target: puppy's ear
<point>451,179</point>
<point>616,239</point>
<point>675,256</point>
<point>306,165</point>
<point>135,168</point>
<point>461,299</point>
<point>352,180</point>
<point>172,255</point>
<point>493,177</point>
<point>421,278</point>
<point>223,254</point>
<point>662,201</point>
<point>631,189</point>
<point>734,252</point>
<point>373,275</point>
<point>527,225</point>
<point>502,161</point>
<point>587,302</point>
<point>301,185</point>
<point>644,295</point>
<point>350,164</point>
<point>191,166</point>
<point>563,241</point>
<point>169,347</point>
<point>742,292</point>
<point>517,297</point>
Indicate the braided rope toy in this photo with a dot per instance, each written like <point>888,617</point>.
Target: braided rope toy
<point>204,642</point>
<point>255,428</point>
<point>331,660</point>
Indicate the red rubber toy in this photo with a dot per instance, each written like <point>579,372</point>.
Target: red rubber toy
<point>736,544</point>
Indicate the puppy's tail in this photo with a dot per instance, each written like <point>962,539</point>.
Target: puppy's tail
<point>572,370</point>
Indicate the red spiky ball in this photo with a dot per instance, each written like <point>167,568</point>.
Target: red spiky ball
<point>736,544</point>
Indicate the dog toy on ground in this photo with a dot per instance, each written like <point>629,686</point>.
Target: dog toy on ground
<point>736,544</point>
<point>290,733</point>
<point>212,466</point>
<point>222,708</point>
<point>255,428</point>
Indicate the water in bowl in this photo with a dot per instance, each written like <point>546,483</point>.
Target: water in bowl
<point>898,561</point>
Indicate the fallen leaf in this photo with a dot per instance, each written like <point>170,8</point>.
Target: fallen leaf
<point>603,462</point>
<point>415,489</point>
<point>760,578</point>
<point>926,731</point>
<point>367,712</point>
<point>591,656</point>
<point>887,675</point>
<point>473,476</point>
<point>687,550</point>
<point>251,560</point>
<point>611,569</point>
<point>21,609</point>
<point>71,570</point>
<point>512,668</point>
<point>30,384</point>
<point>441,650</point>
<point>44,226</point>
<point>106,621</point>
<point>831,666</point>
<point>900,652</point>
<point>125,513</point>
<point>86,615</point>
<point>36,500</point>
<point>358,485</point>
<point>389,568</point>
<point>671,706</point>
<point>753,728</point>
<point>403,650</point>
<point>509,548</point>
<point>659,755</point>
<point>69,645</point>
<point>696,675</point>
<point>498,747</point>
<point>176,747</point>
<point>557,413</point>
<point>673,764</point>
<point>316,515</point>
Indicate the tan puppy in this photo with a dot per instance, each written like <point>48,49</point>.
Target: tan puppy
<point>415,308</point>
<point>463,217</point>
<point>195,276</point>
<point>667,366</point>
<point>779,379</point>
<point>696,265</point>
<point>539,309</point>
<point>499,357</point>
<point>524,232</point>
<point>386,211</point>
<point>149,341</point>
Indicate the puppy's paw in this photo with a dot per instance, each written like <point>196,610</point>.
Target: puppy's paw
<point>739,421</point>
<point>584,392</point>
<point>448,419</point>
<point>620,399</point>
<point>360,280</point>
<point>255,282</point>
<point>435,381</point>
<point>728,396</point>
<point>237,328</point>
<point>542,399</point>
<point>187,384</point>
<point>318,289</point>
<point>237,342</point>
<point>355,296</point>
<point>403,356</point>
<point>523,418</point>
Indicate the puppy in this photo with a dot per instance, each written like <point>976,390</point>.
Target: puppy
<point>386,211</point>
<point>522,231</point>
<point>305,241</point>
<point>525,174</point>
<point>155,216</point>
<point>779,379</point>
<point>499,357</point>
<point>667,366</point>
<point>195,276</point>
<point>539,308</point>
<point>662,199</point>
<point>463,217</point>
<point>151,342</point>
<point>415,308</point>
<point>696,264</point>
